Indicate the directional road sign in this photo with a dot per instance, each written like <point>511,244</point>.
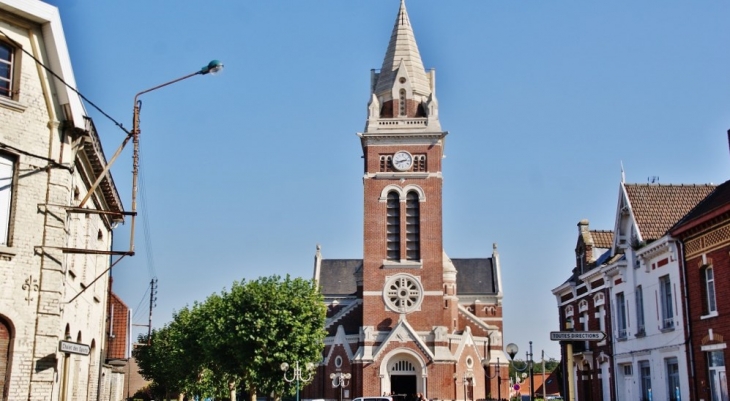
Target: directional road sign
<point>577,335</point>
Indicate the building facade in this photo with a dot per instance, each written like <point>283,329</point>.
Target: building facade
<point>704,233</point>
<point>406,318</point>
<point>583,305</point>
<point>643,292</point>
<point>54,248</point>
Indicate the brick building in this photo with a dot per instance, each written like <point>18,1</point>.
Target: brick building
<point>54,254</point>
<point>583,301</point>
<point>704,233</point>
<point>407,318</point>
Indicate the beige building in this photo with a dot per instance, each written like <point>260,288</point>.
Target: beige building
<point>54,259</point>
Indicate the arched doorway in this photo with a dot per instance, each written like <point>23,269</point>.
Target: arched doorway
<point>403,373</point>
<point>6,343</point>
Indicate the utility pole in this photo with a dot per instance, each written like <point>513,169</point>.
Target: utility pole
<point>153,300</point>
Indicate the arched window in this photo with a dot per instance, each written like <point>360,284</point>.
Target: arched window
<point>413,229</point>
<point>393,226</point>
<point>402,103</point>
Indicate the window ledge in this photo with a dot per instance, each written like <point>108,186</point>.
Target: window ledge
<point>7,253</point>
<point>640,334</point>
<point>12,104</point>
<point>404,174</point>
<point>666,329</point>
<point>709,315</point>
<point>402,264</point>
<point>621,338</point>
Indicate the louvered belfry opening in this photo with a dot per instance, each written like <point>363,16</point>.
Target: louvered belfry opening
<point>413,243</point>
<point>393,226</point>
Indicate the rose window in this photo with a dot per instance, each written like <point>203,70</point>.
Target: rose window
<point>403,293</point>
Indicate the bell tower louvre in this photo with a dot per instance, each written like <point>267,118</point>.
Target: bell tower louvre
<point>407,318</point>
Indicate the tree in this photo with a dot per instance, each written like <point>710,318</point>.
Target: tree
<point>260,324</point>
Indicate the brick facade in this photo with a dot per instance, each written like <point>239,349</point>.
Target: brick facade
<point>401,321</point>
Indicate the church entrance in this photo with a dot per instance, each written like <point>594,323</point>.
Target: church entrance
<point>403,386</point>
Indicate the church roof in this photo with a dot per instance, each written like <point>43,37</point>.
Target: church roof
<point>475,276</point>
<point>338,276</point>
<point>657,207</point>
<point>402,48</point>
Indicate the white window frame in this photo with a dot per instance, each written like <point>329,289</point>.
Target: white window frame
<point>709,283</point>
<point>621,323</point>
<point>7,174</point>
<point>640,318</point>
<point>665,291</point>
<point>11,67</point>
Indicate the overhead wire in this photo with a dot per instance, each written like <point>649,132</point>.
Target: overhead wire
<point>146,221</point>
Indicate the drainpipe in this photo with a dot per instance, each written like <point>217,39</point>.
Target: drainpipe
<point>688,320</point>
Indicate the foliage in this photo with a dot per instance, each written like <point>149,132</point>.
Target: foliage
<point>523,366</point>
<point>238,337</point>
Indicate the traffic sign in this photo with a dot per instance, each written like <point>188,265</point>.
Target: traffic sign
<point>516,387</point>
<point>577,335</point>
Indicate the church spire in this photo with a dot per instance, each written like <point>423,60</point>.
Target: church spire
<point>403,54</point>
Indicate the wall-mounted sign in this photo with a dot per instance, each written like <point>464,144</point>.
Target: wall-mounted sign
<point>73,348</point>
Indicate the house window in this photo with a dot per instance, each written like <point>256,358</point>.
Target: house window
<point>6,69</point>
<point>665,286</point>
<point>708,279</point>
<point>413,234</point>
<point>402,103</point>
<point>718,379</point>
<point>393,226</point>
<point>645,372</point>
<point>7,167</point>
<point>621,315</point>
<point>672,367</point>
<point>640,325</point>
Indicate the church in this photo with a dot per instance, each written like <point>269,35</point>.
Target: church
<point>407,318</point>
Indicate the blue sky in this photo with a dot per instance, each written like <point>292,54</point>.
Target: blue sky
<point>245,172</point>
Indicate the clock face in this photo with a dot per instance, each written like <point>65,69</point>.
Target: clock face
<point>402,160</point>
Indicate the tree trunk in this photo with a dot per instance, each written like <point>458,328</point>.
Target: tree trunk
<point>232,390</point>
<point>252,394</point>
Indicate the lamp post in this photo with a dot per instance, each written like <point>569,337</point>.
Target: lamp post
<point>297,373</point>
<point>340,380</point>
<point>498,375</point>
<point>512,350</point>
<point>212,68</point>
<point>466,380</point>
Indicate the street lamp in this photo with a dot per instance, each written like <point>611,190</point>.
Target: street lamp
<point>512,350</point>
<point>212,68</point>
<point>297,373</point>
<point>340,380</point>
<point>498,375</point>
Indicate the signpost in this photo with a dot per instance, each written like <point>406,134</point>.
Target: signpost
<point>577,335</point>
<point>73,348</point>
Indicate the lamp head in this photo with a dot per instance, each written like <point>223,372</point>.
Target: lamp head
<point>332,376</point>
<point>347,375</point>
<point>309,365</point>
<point>512,350</point>
<point>212,68</point>
<point>284,366</point>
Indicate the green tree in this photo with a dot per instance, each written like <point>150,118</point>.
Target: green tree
<point>259,324</point>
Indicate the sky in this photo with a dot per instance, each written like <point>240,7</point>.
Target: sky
<point>245,172</point>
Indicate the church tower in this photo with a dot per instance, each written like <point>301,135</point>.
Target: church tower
<point>406,318</point>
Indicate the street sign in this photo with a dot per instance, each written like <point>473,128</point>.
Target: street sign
<point>73,348</point>
<point>577,335</point>
<point>516,387</point>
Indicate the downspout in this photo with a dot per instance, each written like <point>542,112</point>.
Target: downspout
<point>688,320</point>
<point>52,127</point>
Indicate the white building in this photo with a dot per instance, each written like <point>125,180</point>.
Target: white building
<point>645,288</point>
<point>54,284</point>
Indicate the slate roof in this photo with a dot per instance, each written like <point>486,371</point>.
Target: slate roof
<point>657,207</point>
<point>403,47</point>
<point>337,276</point>
<point>474,276</point>
<point>717,199</point>
<point>602,238</point>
